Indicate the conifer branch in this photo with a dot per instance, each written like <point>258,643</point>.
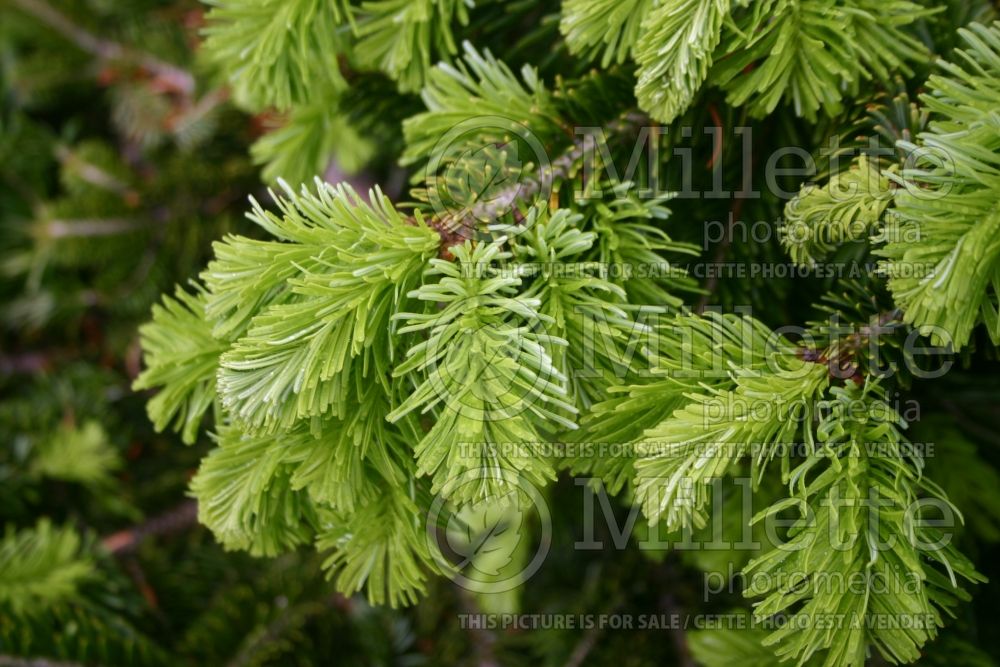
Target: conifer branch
<point>171,75</point>
<point>285,622</point>
<point>460,225</point>
<point>360,366</point>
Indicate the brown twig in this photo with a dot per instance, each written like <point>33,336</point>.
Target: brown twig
<point>841,353</point>
<point>457,225</point>
<point>195,112</point>
<point>717,139</point>
<point>176,520</point>
<point>91,173</point>
<point>141,581</point>
<point>735,210</point>
<point>584,646</point>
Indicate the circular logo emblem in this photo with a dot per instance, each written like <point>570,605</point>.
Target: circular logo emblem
<point>481,167</point>
<point>491,546</point>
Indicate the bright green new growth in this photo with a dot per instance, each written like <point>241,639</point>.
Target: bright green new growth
<point>681,355</point>
<point>862,545</point>
<point>41,566</point>
<point>836,444</point>
<point>364,365</point>
<point>81,455</point>
<point>307,352</point>
<point>182,357</point>
<point>486,364</point>
<point>299,55</point>
<point>675,53</point>
<point>301,148</point>
<point>699,443</point>
<point>847,208</point>
<point>586,309</point>
<point>809,52</point>
<point>935,223</point>
<point>323,344</point>
<point>806,52</point>
<point>250,38</point>
<point>946,280</point>
<point>299,333</point>
<point>483,90</point>
<point>403,37</point>
<point>614,24</point>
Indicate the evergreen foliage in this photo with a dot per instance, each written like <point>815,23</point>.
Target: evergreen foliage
<point>955,218</point>
<point>41,566</point>
<point>379,386</point>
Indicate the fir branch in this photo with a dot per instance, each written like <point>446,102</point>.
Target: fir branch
<point>182,358</point>
<point>812,52</point>
<point>403,37</point>
<point>485,370</point>
<point>359,361</point>
<point>278,53</point>
<point>898,570</point>
<point>942,243</point>
<point>520,194</point>
<point>381,548</point>
<point>325,304</point>
<point>849,207</point>
<point>674,54</point>
<point>245,496</point>
<point>41,566</point>
<point>171,75</point>
<point>617,25</point>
